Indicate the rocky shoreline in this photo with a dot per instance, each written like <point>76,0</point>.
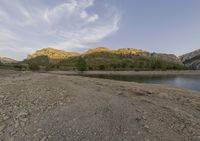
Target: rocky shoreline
<point>53,107</point>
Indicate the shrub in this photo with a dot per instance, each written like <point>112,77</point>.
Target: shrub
<point>51,66</point>
<point>81,64</point>
<point>34,67</point>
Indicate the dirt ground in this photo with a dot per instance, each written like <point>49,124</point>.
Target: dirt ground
<point>52,107</point>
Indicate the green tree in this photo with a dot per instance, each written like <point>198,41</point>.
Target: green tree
<point>81,64</point>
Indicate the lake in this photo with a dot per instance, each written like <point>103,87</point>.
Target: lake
<point>185,81</point>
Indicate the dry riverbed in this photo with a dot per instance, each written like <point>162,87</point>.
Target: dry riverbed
<point>52,107</point>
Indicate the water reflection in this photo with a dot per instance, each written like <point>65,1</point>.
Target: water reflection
<point>185,81</point>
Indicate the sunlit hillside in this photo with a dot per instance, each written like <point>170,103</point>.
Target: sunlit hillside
<point>52,54</point>
<point>102,58</point>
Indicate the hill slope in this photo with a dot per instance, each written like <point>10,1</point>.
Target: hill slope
<point>102,58</point>
<point>52,54</point>
<point>125,59</point>
<point>6,60</point>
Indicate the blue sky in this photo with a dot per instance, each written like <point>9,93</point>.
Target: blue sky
<point>169,26</point>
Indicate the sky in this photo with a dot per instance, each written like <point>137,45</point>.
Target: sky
<point>165,26</point>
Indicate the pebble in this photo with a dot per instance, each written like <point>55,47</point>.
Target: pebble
<point>43,139</point>
<point>16,124</point>
<point>146,126</point>
<point>39,129</point>
<point>22,115</point>
<point>2,127</point>
<point>143,117</point>
<point>149,92</point>
<point>5,117</point>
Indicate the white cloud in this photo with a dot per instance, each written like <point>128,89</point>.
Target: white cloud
<point>84,14</point>
<point>67,24</point>
<point>60,10</point>
<point>93,18</point>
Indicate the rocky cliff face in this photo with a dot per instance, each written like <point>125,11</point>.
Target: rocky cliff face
<point>192,59</point>
<point>167,57</point>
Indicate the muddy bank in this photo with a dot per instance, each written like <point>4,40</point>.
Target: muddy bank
<point>51,107</point>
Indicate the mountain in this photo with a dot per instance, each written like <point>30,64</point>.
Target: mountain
<point>192,59</point>
<point>98,50</point>
<point>6,60</point>
<point>167,57</point>
<point>123,51</point>
<point>53,54</point>
<point>102,58</point>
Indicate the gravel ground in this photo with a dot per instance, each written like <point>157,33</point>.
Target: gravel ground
<point>52,107</point>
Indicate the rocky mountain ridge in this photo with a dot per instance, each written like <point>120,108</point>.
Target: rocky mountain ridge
<point>102,58</point>
<point>60,54</point>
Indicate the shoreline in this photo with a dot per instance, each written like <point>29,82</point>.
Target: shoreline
<point>170,72</point>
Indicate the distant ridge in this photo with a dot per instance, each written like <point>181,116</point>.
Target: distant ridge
<point>102,58</point>
<point>52,53</point>
<point>124,51</point>
<point>55,54</point>
<point>6,60</point>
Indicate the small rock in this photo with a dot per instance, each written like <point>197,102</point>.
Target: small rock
<point>43,139</point>
<point>143,117</point>
<point>149,92</point>
<point>5,117</point>
<point>16,124</point>
<point>146,126</point>
<point>22,114</point>
<point>2,127</point>
<point>13,132</point>
<point>39,129</point>
<point>120,93</point>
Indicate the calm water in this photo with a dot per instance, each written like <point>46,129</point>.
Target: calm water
<point>185,81</point>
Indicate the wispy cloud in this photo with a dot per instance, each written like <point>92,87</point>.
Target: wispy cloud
<point>64,24</point>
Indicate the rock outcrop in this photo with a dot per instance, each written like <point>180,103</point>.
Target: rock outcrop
<point>192,59</point>
<point>167,57</point>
